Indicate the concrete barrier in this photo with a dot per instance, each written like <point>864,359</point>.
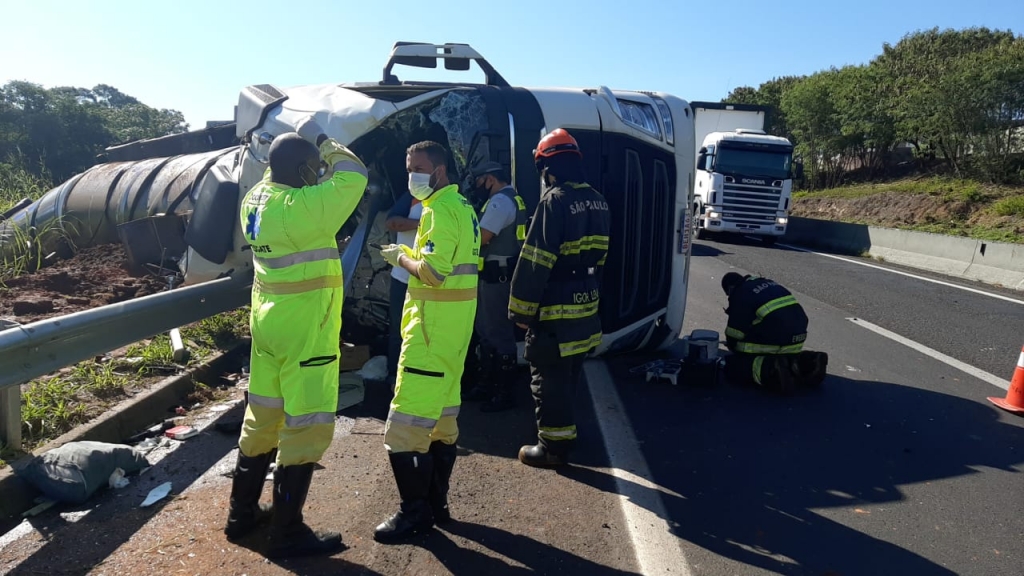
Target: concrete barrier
<point>995,263</point>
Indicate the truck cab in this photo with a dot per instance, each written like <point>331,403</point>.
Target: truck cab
<point>744,177</point>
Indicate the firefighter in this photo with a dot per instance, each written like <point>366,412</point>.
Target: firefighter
<point>437,322</point>
<point>766,332</point>
<point>502,231</point>
<point>290,222</point>
<point>556,291</point>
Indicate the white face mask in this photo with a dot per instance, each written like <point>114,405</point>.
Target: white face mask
<point>419,185</point>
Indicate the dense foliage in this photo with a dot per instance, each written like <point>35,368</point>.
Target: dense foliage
<point>951,101</point>
<point>48,135</point>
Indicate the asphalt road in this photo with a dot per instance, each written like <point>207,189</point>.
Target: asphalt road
<point>897,466</point>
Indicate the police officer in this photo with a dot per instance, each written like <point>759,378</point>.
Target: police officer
<point>766,332</point>
<point>502,231</point>
<point>437,321</point>
<point>556,292</point>
<point>290,222</point>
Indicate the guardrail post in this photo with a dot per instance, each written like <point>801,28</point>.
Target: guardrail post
<point>10,417</point>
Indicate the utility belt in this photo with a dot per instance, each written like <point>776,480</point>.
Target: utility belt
<point>496,272</point>
<point>571,274</point>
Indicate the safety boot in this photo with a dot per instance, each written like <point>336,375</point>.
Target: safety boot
<point>812,367</point>
<point>479,386</point>
<point>245,513</point>
<point>540,456</point>
<point>504,379</point>
<point>444,462</point>
<point>414,472</point>
<point>289,535</point>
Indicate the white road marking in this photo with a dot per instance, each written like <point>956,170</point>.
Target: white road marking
<point>915,276</point>
<point>965,368</point>
<point>657,549</point>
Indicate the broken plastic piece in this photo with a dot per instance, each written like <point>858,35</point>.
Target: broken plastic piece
<point>181,432</point>
<point>156,494</point>
<point>179,353</point>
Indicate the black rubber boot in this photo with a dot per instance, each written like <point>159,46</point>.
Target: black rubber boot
<point>444,462</point>
<point>289,535</point>
<point>539,456</point>
<point>245,513</point>
<point>480,385</point>
<point>812,367</point>
<point>504,379</point>
<point>413,474</point>
<point>778,375</point>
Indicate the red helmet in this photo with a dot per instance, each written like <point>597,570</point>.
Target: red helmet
<point>556,142</point>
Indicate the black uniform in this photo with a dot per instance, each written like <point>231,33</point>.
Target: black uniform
<point>556,291</point>
<point>766,331</point>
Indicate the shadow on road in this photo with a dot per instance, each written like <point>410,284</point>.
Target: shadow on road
<point>706,250</point>
<point>538,558</point>
<point>755,470</point>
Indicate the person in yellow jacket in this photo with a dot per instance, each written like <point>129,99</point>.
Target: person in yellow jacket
<point>290,222</point>
<point>437,322</point>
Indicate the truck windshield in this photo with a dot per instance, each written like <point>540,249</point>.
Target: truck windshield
<point>764,163</point>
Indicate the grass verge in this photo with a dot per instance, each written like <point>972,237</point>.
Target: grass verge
<point>927,204</point>
<point>58,402</point>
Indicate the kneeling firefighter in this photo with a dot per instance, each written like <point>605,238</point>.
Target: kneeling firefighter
<point>766,332</point>
<point>290,221</point>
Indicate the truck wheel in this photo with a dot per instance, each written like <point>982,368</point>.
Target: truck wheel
<point>769,240</point>
<point>698,232</point>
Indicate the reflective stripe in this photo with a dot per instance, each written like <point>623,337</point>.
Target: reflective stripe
<point>748,348</point>
<point>450,411</point>
<point>279,288</point>
<point>410,420</point>
<point>596,242</point>
<point>350,166</point>
<point>579,346</point>
<point>542,257</point>
<point>522,307</point>
<point>265,401</point>
<point>568,311</point>
<point>563,433</point>
<point>757,369</point>
<point>521,228</point>
<point>308,419</point>
<point>303,257</point>
<point>464,269</point>
<point>772,306</point>
<point>442,294</point>
<point>603,258</point>
<point>734,333</point>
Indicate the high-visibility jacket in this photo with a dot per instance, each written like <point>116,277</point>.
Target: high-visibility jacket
<point>556,284</point>
<point>764,318</point>
<point>509,241</point>
<point>439,310</point>
<point>297,287</point>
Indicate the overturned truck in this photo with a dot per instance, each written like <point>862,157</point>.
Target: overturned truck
<point>173,202</point>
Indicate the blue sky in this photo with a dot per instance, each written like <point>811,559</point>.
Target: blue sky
<point>195,55</point>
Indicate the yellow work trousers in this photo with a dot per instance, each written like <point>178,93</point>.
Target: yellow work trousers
<point>293,385</point>
<point>428,394</point>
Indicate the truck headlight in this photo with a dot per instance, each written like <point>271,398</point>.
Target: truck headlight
<point>714,215</point>
<point>781,220</point>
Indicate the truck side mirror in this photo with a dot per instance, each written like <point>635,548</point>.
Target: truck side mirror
<point>702,160</point>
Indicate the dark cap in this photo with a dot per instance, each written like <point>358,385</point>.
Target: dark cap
<point>485,168</point>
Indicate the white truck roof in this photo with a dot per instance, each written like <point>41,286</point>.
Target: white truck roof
<point>746,136</point>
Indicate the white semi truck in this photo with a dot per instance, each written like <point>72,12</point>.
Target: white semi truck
<point>744,177</point>
<point>177,198</point>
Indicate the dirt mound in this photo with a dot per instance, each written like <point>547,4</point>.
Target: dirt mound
<point>885,209</point>
<point>93,277</point>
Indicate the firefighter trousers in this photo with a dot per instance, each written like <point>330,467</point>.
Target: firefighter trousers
<point>496,332</point>
<point>553,382</point>
<point>293,384</point>
<point>768,371</point>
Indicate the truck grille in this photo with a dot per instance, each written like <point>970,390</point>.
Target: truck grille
<point>751,203</point>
